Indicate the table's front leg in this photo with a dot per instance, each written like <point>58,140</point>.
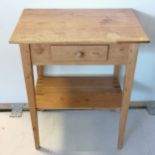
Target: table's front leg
<point>29,80</point>
<point>129,76</point>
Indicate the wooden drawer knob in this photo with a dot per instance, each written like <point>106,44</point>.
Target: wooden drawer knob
<point>79,54</point>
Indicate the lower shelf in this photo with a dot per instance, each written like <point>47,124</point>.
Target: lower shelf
<point>78,93</point>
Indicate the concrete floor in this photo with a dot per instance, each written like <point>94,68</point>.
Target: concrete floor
<point>78,133</point>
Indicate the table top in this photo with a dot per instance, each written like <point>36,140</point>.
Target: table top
<point>78,26</point>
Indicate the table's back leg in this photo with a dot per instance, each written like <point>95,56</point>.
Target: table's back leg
<point>129,76</point>
<point>29,80</point>
<point>40,71</point>
<point>117,70</point>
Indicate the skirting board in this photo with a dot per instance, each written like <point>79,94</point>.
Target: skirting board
<point>134,104</point>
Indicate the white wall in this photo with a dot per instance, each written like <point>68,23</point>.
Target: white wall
<point>12,87</point>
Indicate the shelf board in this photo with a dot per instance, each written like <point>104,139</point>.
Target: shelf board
<point>78,93</point>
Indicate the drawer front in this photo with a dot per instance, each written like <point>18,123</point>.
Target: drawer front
<point>79,53</point>
<point>49,54</point>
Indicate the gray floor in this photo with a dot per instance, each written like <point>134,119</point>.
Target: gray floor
<point>78,132</point>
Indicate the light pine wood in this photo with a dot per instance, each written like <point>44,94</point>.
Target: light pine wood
<point>80,36</point>
<point>79,53</point>
<point>78,26</point>
<point>118,53</point>
<point>28,73</point>
<point>93,54</point>
<point>47,54</point>
<point>117,71</point>
<point>78,93</point>
<point>40,70</point>
<point>127,88</point>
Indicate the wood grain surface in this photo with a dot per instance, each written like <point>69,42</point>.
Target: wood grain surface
<point>77,26</point>
<point>78,93</point>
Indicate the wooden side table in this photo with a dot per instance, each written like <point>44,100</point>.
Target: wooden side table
<point>92,36</point>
